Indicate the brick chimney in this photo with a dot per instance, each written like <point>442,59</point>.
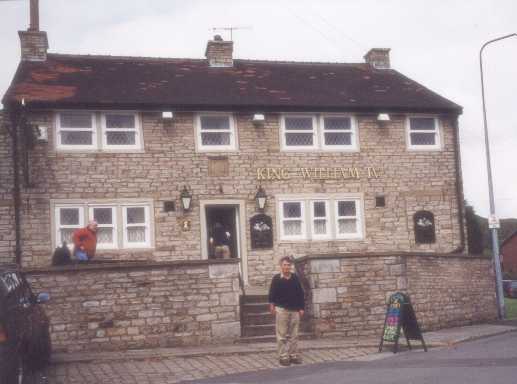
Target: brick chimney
<point>378,58</point>
<point>219,52</point>
<point>34,43</point>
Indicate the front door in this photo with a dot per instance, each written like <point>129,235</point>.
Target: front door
<point>222,231</point>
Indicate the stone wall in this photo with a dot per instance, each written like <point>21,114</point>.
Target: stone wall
<point>124,306</point>
<point>410,181</point>
<point>7,237</point>
<point>347,295</point>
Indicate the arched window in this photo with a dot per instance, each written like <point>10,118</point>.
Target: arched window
<point>424,227</point>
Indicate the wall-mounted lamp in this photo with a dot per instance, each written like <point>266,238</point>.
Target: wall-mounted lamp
<point>167,115</point>
<point>258,119</point>
<point>186,198</point>
<point>383,119</point>
<point>261,199</point>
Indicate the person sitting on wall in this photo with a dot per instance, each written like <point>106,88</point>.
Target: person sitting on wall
<point>287,303</point>
<point>85,241</point>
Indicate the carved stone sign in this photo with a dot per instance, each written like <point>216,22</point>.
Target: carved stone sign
<point>334,173</point>
<point>261,230</point>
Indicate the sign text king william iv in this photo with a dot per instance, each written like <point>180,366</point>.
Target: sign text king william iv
<point>335,173</point>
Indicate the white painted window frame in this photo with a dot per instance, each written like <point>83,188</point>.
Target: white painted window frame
<point>302,218</point>
<point>114,227</point>
<point>57,220</point>
<point>146,225</point>
<point>437,128</point>
<point>137,130</point>
<point>353,131</point>
<point>284,131</point>
<point>216,148</point>
<point>72,147</point>
<point>358,218</point>
<point>313,218</point>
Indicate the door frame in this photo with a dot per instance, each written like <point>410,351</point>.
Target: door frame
<point>240,227</point>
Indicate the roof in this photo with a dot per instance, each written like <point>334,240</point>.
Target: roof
<point>130,82</point>
<point>508,239</point>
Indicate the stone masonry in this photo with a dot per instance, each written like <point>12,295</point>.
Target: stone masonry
<point>347,294</point>
<point>6,197</point>
<point>409,180</point>
<point>136,305</point>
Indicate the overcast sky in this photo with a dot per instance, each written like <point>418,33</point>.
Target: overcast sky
<point>434,42</point>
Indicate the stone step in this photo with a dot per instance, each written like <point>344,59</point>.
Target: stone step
<point>260,318</point>
<point>258,299</point>
<point>258,330</point>
<point>271,339</point>
<point>254,308</point>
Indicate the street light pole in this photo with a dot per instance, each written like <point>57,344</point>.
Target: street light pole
<point>495,240</point>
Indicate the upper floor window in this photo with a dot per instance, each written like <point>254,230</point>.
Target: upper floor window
<point>328,132</point>
<point>77,130</point>
<point>423,132</point>
<point>215,132</point>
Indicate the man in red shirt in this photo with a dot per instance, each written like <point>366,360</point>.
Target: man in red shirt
<point>85,241</point>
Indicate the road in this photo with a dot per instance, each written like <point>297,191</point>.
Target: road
<point>492,360</point>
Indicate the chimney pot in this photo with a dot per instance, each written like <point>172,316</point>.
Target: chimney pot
<point>378,58</point>
<point>34,15</point>
<point>219,52</point>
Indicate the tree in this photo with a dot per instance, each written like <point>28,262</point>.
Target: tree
<point>474,233</point>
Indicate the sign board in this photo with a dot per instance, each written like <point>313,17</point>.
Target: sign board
<point>493,222</point>
<point>261,231</point>
<point>400,315</point>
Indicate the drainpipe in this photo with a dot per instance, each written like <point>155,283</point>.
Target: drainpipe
<point>16,115</point>
<point>460,202</point>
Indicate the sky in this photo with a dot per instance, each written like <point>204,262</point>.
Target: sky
<point>433,42</point>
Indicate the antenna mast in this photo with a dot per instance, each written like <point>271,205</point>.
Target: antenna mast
<point>231,29</point>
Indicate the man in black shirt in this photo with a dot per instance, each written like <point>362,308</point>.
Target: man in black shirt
<point>286,302</point>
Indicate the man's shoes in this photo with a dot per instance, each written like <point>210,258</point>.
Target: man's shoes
<point>295,360</point>
<point>285,362</point>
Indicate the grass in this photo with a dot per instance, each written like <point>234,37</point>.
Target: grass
<point>511,308</point>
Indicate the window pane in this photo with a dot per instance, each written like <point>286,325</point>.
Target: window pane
<point>135,215</point>
<point>320,209</point>
<point>215,138</point>
<point>298,139</point>
<point>346,208</point>
<point>338,138</point>
<point>292,210</point>
<point>347,226</point>
<point>66,235</point>
<point>422,123</point>
<point>120,121</point>
<point>320,227</point>
<point>76,120</point>
<point>103,215</point>
<point>423,139</point>
<point>215,122</point>
<point>337,123</point>
<point>105,235</point>
<point>304,123</point>
<point>121,138</point>
<point>69,216</point>
<point>76,138</point>
<point>292,228</point>
<point>136,235</point>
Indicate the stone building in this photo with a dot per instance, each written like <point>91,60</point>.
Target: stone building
<point>509,255</point>
<point>357,166</point>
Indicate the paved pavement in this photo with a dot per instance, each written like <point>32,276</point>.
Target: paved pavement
<point>174,365</point>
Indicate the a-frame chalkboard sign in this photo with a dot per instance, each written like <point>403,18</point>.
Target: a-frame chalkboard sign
<point>400,315</point>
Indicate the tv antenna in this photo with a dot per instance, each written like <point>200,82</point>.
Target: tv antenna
<point>231,29</point>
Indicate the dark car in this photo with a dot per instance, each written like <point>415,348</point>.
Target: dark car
<point>510,288</point>
<point>24,329</point>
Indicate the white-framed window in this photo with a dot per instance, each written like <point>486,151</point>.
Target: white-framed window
<point>98,131</point>
<point>216,132</point>
<point>299,132</point>
<point>326,132</point>
<point>348,221</point>
<point>76,130</point>
<point>320,226</point>
<point>292,216</point>
<point>120,130</point>
<point>68,218</point>
<point>106,217</point>
<point>121,224</point>
<point>136,226</point>
<point>321,217</point>
<point>423,132</point>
